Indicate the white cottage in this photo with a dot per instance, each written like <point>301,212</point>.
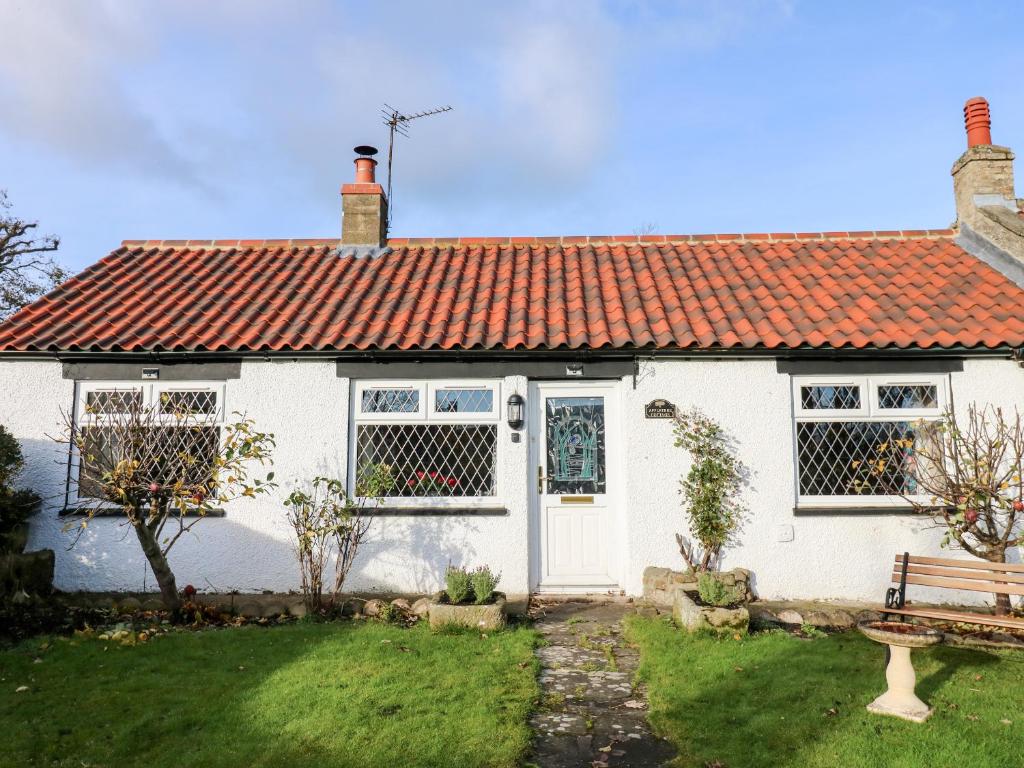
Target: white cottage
<point>515,385</point>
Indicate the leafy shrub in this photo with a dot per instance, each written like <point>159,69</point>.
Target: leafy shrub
<point>388,613</point>
<point>458,584</point>
<point>711,489</point>
<point>812,632</point>
<point>15,506</point>
<point>329,524</point>
<point>11,460</point>
<point>484,582</point>
<point>714,592</point>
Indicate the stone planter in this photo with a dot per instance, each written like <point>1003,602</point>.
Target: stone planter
<point>662,584</point>
<point>487,617</point>
<point>708,618</point>
<point>677,590</point>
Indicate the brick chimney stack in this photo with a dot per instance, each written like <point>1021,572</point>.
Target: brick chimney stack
<point>364,207</point>
<point>983,184</point>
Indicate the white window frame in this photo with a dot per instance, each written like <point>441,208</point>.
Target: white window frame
<point>829,414</point>
<point>426,414</point>
<point>151,392</point>
<point>433,387</point>
<point>869,411</point>
<point>360,387</point>
<point>915,413</point>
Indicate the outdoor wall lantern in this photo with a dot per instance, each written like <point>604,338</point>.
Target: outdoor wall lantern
<point>516,411</point>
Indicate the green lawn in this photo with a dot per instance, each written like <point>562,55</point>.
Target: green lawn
<point>776,700</point>
<point>299,695</point>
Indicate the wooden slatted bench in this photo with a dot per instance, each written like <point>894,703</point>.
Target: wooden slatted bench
<point>969,575</point>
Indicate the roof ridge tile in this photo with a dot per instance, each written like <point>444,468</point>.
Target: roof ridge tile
<point>889,234</point>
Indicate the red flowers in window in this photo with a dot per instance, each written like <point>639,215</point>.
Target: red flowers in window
<point>431,483</point>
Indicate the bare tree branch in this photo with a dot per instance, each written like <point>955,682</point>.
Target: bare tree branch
<point>971,471</point>
<point>24,276</point>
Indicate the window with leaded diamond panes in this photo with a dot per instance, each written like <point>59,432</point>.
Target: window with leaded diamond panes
<point>855,437</point>
<point>438,438</point>
<point>182,419</point>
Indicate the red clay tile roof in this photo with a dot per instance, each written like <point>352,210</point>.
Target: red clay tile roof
<point>828,290</point>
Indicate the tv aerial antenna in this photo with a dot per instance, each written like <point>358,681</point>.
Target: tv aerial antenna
<point>398,122</point>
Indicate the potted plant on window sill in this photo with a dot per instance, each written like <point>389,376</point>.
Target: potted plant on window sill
<point>469,600</point>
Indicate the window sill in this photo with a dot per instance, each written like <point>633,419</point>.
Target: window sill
<point>849,509</point>
<point>438,511</point>
<point>118,512</point>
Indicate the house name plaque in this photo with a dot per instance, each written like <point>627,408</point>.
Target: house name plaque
<point>659,409</point>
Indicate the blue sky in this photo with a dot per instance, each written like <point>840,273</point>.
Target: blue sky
<point>202,119</point>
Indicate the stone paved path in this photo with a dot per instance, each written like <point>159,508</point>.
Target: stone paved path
<point>591,713</point>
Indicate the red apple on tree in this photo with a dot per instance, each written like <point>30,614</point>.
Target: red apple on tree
<point>1018,506</point>
<point>971,516</point>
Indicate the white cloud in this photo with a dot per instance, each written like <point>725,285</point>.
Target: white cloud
<point>222,93</point>
<point>61,83</point>
<point>533,106</point>
<point>558,90</point>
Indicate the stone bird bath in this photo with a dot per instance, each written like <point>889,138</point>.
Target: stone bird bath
<point>900,700</point>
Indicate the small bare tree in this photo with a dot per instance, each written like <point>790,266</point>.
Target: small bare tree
<point>645,228</point>
<point>326,521</point>
<point>165,469</point>
<point>26,272</point>
<point>971,470</point>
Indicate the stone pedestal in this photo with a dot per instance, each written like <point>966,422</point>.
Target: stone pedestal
<point>900,700</point>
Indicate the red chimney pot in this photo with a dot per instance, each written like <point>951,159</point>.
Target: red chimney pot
<point>365,170</point>
<point>978,122</point>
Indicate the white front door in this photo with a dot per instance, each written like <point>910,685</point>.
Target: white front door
<point>574,429</point>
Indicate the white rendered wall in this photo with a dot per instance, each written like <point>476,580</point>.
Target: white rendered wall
<point>305,405</point>
<point>830,556</point>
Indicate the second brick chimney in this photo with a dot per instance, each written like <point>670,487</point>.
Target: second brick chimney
<point>983,185</point>
<point>364,207</point>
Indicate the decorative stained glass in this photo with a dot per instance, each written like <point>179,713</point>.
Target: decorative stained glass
<point>830,397</point>
<point>575,432</point>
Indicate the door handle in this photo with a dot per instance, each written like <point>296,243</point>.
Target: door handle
<point>540,479</point>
